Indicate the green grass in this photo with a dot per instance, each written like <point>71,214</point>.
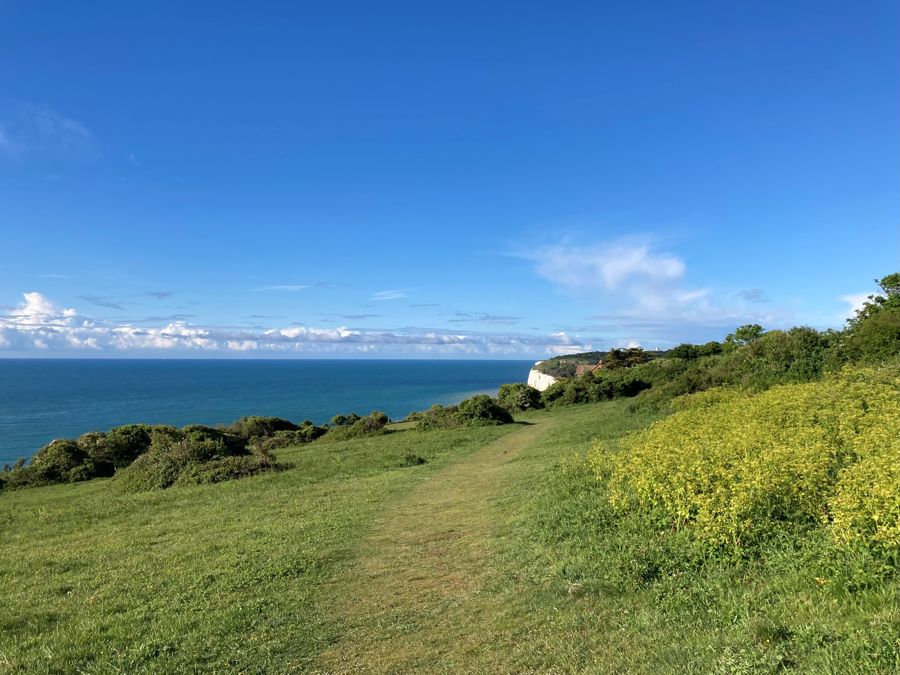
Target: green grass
<point>622,594</point>
<point>497,555</point>
<point>229,576</point>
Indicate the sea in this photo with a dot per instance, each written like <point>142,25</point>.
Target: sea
<point>45,399</point>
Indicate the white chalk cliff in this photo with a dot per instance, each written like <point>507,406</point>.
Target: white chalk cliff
<point>539,380</point>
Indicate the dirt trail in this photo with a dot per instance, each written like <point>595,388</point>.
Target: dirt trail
<point>413,602</point>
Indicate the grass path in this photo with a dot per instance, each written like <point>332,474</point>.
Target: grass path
<point>414,600</point>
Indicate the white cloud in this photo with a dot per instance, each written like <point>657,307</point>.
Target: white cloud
<point>855,301</point>
<point>388,295</point>
<point>284,287</point>
<point>39,324</point>
<point>631,280</point>
<point>603,266</point>
<point>38,132</point>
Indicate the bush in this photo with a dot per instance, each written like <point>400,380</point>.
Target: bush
<point>482,410</point>
<point>260,427</point>
<point>200,436</point>
<point>125,443</point>
<point>602,386</point>
<point>59,462</point>
<point>225,468</point>
<point>371,424</point>
<point>736,468</point>
<point>344,420</point>
<point>518,397</point>
<point>479,410</point>
<point>196,454</point>
<point>307,432</point>
<point>684,351</point>
<point>437,417</point>
<point>873,338</point>
<point>778,357</point>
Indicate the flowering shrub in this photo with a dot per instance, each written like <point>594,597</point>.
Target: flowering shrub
<point>736,467</point>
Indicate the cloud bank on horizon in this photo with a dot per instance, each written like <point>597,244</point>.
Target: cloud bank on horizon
<point>37,325</point>
<point>641,294</point>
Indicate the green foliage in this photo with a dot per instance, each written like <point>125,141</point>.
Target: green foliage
<point>344,420</point>
<point>565,366</point>
<point>646,597</point>
<point>736,469</point>
<point>777,357</point>
<point>519,397</point>
<point>888,299</point>
<point>710,348</point>
<point>564,580</point>
<point>743,336</point>
<point>307,432</point>
<point>369,425</point>
<point>199,435</point>
<point>625,358</point>
<point>684,351</point>
<point>127,442</point>
<point>225,468</point>
<point>479,410</point>
<point>865,506</point>
<point>260,427</point>
<point>604,385</point>
<point>689,351</point>
<point>196,454</point>
<point>482,409</point>
<point>59,462</point>
<point>436,417</point>
<point>873,337</point>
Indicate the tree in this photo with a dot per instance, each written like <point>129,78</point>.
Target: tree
<point>482,409</point>
<point>519,396</point>
<point>710,348</point>
<point>873,334</point>
<point>743,336</point>
<point>890,286</point>
<point>625,358</point>
<point>685,351</point>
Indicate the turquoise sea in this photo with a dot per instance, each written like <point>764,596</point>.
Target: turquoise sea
<point>43,399</point>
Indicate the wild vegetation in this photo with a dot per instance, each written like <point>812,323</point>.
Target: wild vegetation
<point>145,457</point>
<point>749,358</point>
<point>734,468</point>
<point>480,410</point>
<point>729,509</point>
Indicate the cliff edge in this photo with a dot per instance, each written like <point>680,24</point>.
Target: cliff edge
<point>539,380</point>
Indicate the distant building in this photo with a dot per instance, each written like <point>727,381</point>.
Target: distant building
<point>588,368</point>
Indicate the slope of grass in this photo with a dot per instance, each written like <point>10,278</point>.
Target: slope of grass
<point>441,587</point>
<point>228,576</point>
<point>608,593</point>
<point>497,555</point>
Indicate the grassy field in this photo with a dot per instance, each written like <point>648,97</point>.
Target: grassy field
<point>496,555</point>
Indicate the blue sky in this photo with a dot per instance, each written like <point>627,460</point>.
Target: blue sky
<point>506,179</point>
